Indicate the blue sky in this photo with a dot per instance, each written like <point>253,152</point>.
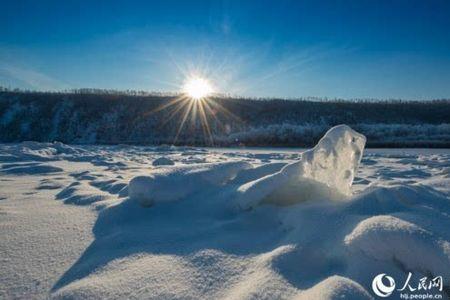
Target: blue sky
<point>345,49</point>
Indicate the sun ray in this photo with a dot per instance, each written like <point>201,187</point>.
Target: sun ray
<point>175,111</point>
<point>171,102</point>
<point>205,123</point>
<point>183,120</point>
<point>213,114</point>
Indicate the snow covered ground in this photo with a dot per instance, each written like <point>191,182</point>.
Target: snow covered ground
<point>68,228</point>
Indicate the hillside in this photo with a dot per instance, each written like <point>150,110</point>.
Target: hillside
<point>112,118</point>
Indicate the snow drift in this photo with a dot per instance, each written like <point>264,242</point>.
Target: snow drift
<point>180,182</point>
<point>326,171</point>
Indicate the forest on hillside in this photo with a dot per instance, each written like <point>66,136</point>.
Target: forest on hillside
<point>110,117</point>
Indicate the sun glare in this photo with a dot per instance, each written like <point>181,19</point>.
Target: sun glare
<point>197,88</point>
<point>194,108</point>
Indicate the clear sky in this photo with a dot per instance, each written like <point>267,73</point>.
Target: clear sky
<point>346,49</point>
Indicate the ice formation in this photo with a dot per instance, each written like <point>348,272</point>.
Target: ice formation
<point>325,171</point>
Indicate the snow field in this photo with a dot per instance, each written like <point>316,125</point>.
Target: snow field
<point>299,237</point>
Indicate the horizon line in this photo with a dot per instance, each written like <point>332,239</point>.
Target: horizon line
<point>147,93</point>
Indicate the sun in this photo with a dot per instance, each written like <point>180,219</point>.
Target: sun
<point>197,88</point>
<point>194,108</point>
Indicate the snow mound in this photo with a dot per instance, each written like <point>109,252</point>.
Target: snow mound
<point>29,169</point>
<point>81,194</point>
<point>178,182</point>
<point>323,172</point>
<point>257,172</point>
<point>392,239</point>
<point>333,288</point>
<point>163,161</point>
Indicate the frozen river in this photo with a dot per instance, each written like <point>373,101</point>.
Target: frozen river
<point>69,229</point>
